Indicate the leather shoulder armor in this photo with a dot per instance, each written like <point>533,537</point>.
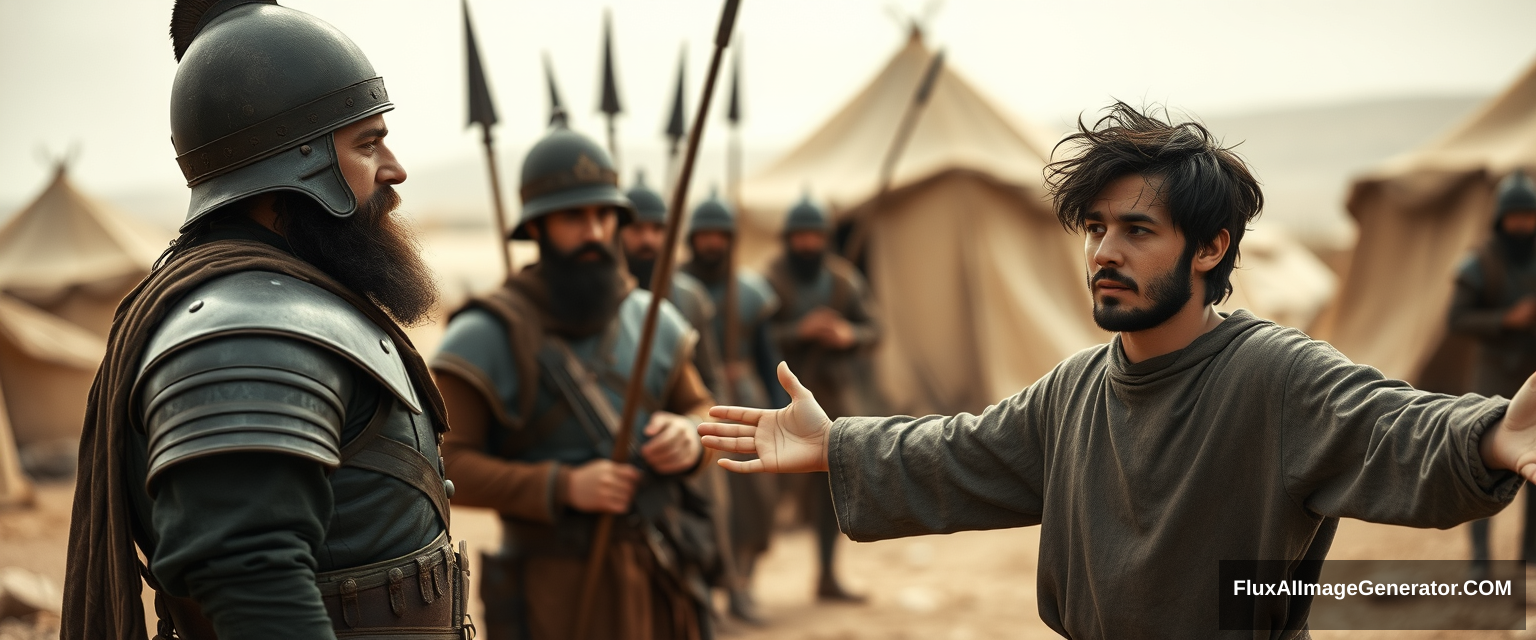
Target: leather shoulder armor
<point>260,302</point>
<point>244,392</point>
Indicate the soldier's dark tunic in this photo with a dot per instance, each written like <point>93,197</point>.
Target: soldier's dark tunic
<point>1488,283</point>
<point>1247,444</point>
<point>514,449</point>
<point>840,378</point>
<point>247,407</point>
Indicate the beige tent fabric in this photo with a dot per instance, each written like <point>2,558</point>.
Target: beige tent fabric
<point>15,490</point>
<point>46,369</point>
<point>65,262</point>
<point>65,238</point>
<point>1418,215</point>
<point>1277,278</point>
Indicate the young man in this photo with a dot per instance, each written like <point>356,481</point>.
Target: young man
<point>1495,303</point>
<point>749,378</point>
<point>534,376</point>
<point>261,426</point>
<point>1190,438</point>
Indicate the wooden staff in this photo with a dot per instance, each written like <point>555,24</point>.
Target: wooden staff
<point>855,248</point>
<point>661,285</point>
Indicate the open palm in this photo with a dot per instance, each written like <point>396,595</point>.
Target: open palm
<point>788,440</point>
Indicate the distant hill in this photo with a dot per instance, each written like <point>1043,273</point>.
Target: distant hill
<point>1306,157</point>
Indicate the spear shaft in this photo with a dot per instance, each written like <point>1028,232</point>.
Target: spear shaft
<point>661,285</point>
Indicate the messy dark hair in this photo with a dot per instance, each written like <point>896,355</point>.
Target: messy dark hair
<point>1206,187</point>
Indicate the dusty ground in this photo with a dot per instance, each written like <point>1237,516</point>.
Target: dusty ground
<point>958,587</point>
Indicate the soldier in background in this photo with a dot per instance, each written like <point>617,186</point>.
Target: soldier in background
<point>825,327</point>
<point>750,359</point>
<point>643,240</point>
<point>261,426</point>
<point>533,376</point>
<point>1495,303</point>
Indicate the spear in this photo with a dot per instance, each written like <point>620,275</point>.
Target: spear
<point>661,286</point>
<point>610,101</point>
<point>677,127</point>
<point>483,112</point>
<point>730,342</point>
<point>854,251</point>
<point>557,113</point>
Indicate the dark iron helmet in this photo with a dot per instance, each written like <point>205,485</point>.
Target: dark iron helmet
<point>649,206</point>
<point>259,90</point>
<point>1516,193</point>
<point>805,216</point>
<point>712,215</point>
<point>566,170</point>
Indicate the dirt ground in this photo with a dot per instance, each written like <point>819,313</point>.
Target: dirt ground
<point>966,586</point>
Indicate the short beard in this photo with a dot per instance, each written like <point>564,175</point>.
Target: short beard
<point>806,266</point>
<point>710,266</point>
<point>1168,292</point>
<point>642,269</point>
<point>372,252</point>
<point>1519,248</point>
<point>583,295</point>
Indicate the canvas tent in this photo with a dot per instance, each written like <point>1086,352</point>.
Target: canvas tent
<point>65,262</point>
<point>1419,214</point>
<point>980,290</point>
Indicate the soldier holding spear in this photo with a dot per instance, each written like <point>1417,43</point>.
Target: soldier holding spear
<point>531,375</point>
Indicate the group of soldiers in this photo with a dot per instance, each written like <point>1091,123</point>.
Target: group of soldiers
<point>533,373</point>
<point>264,433</point>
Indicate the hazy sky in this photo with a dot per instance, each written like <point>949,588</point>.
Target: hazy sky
<point>98,72</point>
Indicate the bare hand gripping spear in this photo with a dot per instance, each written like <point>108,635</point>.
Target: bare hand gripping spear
<point>661,285</point>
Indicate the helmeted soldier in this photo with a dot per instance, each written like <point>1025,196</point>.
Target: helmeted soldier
<point>1495,303</point>
<point>750,358</point>
<point>534,375</point>
<point>825,327</point>
<point>261,426</point>
<point>643,239</point>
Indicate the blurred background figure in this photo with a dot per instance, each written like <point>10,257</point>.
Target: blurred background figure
<point>744,302</point>
<point>825,327</point>
<point>1495,303</point>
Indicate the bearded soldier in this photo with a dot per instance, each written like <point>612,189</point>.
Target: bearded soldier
<point>261,427</point>
<point>749,378</point>
<point>1190,438</point>
<point>643,239</point>
<point>534,375</point>
<point>1495,302</point>
<point>825,327</point>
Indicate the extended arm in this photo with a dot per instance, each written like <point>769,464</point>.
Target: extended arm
<point>1356,444</point>
<point>901,476</point>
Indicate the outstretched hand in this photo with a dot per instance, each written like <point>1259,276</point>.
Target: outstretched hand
<point>1511,444</point>
<point>789,440</point>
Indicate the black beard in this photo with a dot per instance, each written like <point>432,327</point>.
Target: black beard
<point>583,295</point>
<point>1518,248</point>
<point>709,266</point>
<point>641,269</point>
<point>1168,292</point>
<point>805,266</point>
<point>370,252</point>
